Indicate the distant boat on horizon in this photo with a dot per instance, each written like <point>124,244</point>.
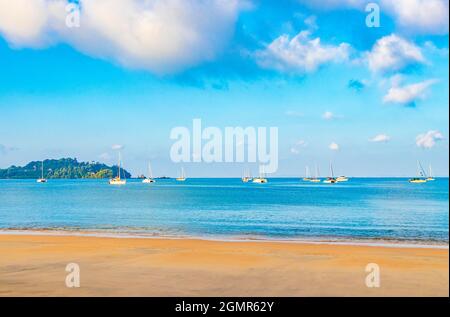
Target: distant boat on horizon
<point>261,179</point>
<point>307,174</point>
<point>430,174</point>
<point>182,177</point>
<point>149,179</point>
<point>330,179</point>
<point>316,178</point>
<point>246,177</point>
<point>118,180</point>
<point>422,178</point>
<point>42,179</point>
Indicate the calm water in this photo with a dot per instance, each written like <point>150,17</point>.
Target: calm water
<point>283,208</point>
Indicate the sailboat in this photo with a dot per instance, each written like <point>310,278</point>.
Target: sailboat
<point>261,179</point>
<point>342,179</point>
<point>331,179</point>
<point>246,177</point>
<point>149,179</point>
<point>182,177</point>
<point>430,174</point>
<point>42,179</point>
<point>307,176</point>
<point>316,178</point>
<point>421,175</point>
<point>117,180</point>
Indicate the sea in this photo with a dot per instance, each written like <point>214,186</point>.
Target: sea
<point>362,209</point>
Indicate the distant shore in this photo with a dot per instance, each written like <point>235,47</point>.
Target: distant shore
<point>34,265</point>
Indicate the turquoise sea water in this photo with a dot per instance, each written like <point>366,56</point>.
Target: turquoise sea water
<point>372,208</point>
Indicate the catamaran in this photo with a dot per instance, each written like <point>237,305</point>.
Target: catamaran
<point>331,179</point>
<point>42,179</point>
<point>149,179</point>
<point>421,175</point>
<point>307,176</point>
<point>316,178</point>
<point>118,180</point>
<point>182,177</point>
<point>261,179</point>
<point>246,177</point>
<point>430,174</point>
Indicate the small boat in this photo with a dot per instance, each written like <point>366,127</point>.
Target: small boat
<point>118,180</point>
<point>182,177</point>
<point>307,176</point>
<point>316,178</point>
<point>421,173</point>
<point>149,179</point>
<point>246,177</point>
<point>261,179</point>
<point>331,179</point>
<point>341,179</point>
<point>430,174</point>
<point>42,179</point>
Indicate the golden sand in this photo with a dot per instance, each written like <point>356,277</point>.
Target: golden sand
<point>34,265</point>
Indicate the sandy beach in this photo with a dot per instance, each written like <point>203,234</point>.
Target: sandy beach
<point>34,265</point>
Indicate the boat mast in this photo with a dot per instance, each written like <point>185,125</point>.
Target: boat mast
<point>331,170</point>
<point>42,170</point>
<point>118,167</point>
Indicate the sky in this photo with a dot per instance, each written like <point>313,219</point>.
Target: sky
<point>122,74</point>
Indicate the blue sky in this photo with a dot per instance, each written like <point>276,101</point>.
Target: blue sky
<point>311,68</point>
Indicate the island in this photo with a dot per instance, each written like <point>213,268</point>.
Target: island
<point>62,168</point>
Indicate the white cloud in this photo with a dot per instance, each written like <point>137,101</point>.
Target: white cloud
<point>380,138</point>
<point>392,53</point>
<point>328,115</point>
<point>413,16</point>
<point>300,54</point>
<point>295,149</point>
<point>409,93</point>
<point>117,147</point>
<point>428,140</point>
<point>333,146</point>
<point>155,35</point>
<point>420,16</point>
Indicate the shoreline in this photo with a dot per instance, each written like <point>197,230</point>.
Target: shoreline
<point>369,242</point>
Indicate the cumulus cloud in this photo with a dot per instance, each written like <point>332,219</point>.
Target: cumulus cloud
<point>407,94</point>
<point>300,54</point>
<point>392,53</point>
<point>428,140</point>
<point>414,16</point>
<point>333,146</point>
<point>380,138</point>
<point>420,16</point>
<point>161,36</point>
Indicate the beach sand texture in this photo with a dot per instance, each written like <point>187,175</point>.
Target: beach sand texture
<point>34,265</point>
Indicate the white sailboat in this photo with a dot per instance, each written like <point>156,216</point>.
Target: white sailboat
<point>307,174</point>
<point>182,177</point>
<point>261,179</point>
<point>118,180</point>
<point>331,179</point>
<point>149,179</point>
<point>316,178</point>
<point>422,178</point>
<point>42,179</point>
<point>430,174</point>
